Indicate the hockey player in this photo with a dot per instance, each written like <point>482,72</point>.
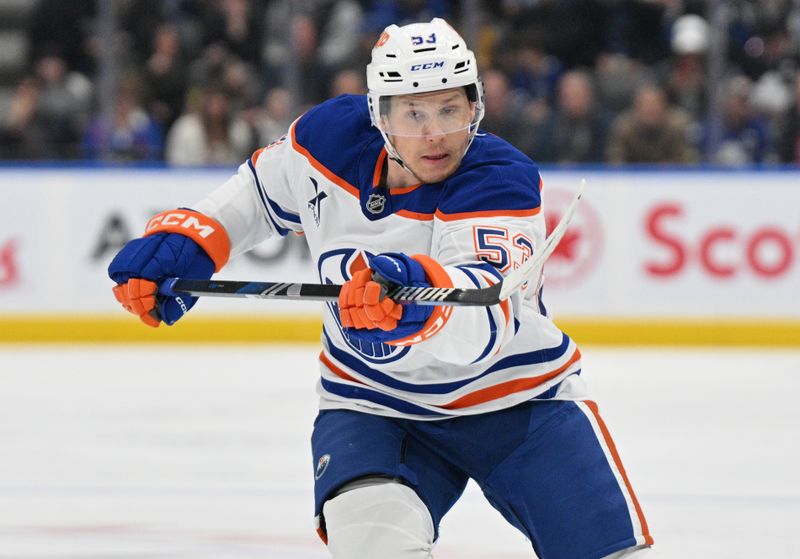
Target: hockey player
<point>414,400</point>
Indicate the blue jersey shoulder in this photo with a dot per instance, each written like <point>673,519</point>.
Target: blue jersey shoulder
<point>494,176</point>
<point>336,132</point>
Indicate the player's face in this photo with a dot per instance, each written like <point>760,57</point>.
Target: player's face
<point>430,131</point>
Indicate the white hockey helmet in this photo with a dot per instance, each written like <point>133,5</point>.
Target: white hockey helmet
<point>421,58</point>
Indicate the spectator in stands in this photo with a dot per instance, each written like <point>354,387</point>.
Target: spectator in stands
<point>245,45</point>
<point>165,75</point>
<point>761,41</point>
<point>23,132</point>
<point>130,135</point>
<point>576,132</point>
<point>637,29</point>
<point>273,118</point>
<point>209,66</point>
<point>242,84</point>
<point>789,146</point>
<point>338,24</point>
<point>326,38</point>
<point>506,111</point>
<point>209,134</point>
<point>772,100</point>
<point>238,27</point>
<point>348,81</point>
<point>64,26</point>
<point>651,132</point>
<point>383,13</point>
<point>685,71</point>
<point>238,79</point>
<point>298,42</point>
<point>617,79</point>
<point>63,106</point>
<point>743,137</point>
<point>534,70</point>
<point>571,31</point>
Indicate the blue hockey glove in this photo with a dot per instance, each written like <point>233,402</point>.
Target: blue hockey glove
<point>368,314</point>
<point>177,244</point>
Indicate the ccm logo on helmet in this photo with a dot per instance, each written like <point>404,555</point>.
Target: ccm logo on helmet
<point>181,220</point>
<point>427,66</point>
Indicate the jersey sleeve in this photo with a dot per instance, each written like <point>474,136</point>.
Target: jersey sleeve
<point>256,203</point>
<point>486,227</point>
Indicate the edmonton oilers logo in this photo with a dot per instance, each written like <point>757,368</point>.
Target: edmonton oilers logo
<point>337,266</point>
<point>322,465</point>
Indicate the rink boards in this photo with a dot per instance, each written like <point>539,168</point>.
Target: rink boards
<point>654,256</point>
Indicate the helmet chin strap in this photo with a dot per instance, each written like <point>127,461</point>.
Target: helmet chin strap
<point>402,164</point>
<point>392,154</point>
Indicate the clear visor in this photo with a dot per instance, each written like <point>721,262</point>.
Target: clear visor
<point>416,116</point>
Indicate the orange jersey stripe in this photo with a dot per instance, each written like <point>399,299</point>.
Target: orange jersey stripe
<point>376,175</point>
<point>414,215</point>
<point>339,181</point>
<point>504,304</point>
<point>256,155</point>
<point>507,388</point>
<point>438,277</point>
<point>334,369</point>
<point>487,213</point>
<point>618,462</point>
<point>330,175</point>
<point>405,189</point>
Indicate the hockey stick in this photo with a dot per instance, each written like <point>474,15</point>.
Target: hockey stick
<point>484,297</point>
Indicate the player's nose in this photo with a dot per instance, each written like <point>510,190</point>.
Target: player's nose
<point>434,131</point>
<point>434,135</point>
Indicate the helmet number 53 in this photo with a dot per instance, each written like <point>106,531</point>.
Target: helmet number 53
<point>418,39</point>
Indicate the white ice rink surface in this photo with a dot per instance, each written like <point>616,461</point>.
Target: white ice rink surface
<point>195,453</point>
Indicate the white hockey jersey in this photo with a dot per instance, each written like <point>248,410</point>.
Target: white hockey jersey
<point>322,180</point>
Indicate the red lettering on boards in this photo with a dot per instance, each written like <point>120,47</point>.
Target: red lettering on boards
<point>9,270</point>
<point>722,251</point>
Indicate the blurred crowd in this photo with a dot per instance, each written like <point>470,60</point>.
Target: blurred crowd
<point>203,82</point>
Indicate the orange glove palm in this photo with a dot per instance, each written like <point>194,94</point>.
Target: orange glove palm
<point>362,304</point>
<point>138,296</point>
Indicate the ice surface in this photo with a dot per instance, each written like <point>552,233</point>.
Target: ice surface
<point>153,452</point>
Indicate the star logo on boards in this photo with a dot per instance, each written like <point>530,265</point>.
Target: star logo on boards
<point>315,204</point>
<point>577,254</point>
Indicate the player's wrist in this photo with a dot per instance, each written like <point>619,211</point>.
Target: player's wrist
<point>207,232</point>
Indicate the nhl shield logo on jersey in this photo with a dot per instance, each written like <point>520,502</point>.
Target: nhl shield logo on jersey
<point>322,465</point>
<point>376,203</point>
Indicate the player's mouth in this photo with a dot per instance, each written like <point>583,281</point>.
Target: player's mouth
<point>436,158</point>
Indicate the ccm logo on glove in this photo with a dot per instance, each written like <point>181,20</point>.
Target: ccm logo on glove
<point>177,219</point>
<point>177,243</point>
<point>203,230</point>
